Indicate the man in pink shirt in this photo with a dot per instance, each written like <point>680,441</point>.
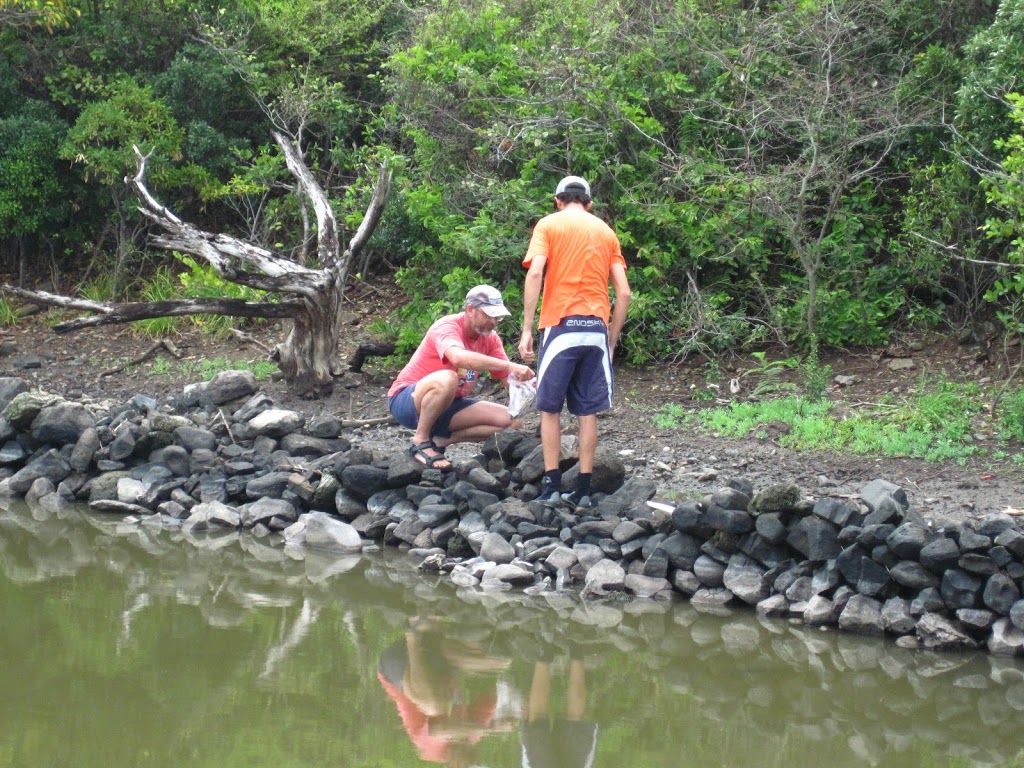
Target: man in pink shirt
<point>432,394</point>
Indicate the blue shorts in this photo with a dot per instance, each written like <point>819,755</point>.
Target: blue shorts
<point>403,409</point>
<point>574,367</point>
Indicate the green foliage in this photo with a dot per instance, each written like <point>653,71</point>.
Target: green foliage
<point>98,288</point>
<point>936,424</point>
<point>204,370</point>
<point>162,286</point>
<point>816,375</point>
<point>1005,192</point>
<point>1011,410</point>
<point>670,416</point>
<point>102,137</point>
<point>8,315</point>
<point>196,280</point>
<point>32,198</point>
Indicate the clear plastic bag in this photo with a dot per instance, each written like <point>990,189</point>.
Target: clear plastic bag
<point>521,395</point>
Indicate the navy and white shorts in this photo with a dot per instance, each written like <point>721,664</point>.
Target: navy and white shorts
<point>574,367</point>
<point>403,408</point>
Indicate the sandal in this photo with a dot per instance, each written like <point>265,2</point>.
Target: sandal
<point>420,455</point>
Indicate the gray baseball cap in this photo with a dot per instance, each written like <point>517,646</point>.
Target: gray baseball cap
<point>488,300</point>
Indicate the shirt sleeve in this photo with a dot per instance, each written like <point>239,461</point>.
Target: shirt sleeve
<point>447,335</point>
<point>538,244</point>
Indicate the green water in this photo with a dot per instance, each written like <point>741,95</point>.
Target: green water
<point>127,645</point>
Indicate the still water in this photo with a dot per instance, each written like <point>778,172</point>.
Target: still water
<point>127,645</point>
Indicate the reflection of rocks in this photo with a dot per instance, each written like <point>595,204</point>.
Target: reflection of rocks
<point>223,461</point>
<point>727,663</point>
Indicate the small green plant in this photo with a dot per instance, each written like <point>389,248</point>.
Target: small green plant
<point>99,288</point>
<point>8,315</point>
<point>669,416</point>
<point>163,286</point>
<point>1012,421</point>
<point>816,375</point>
<point>768,375</point>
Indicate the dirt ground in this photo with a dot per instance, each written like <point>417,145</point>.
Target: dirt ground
<point>91,362</point>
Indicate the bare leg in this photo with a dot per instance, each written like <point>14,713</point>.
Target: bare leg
<point>540,692</point>
<point>551,439</point>
<point>576,704</point>
<point>478,422</point>
<point>432,395</point>
<point>588,442</point>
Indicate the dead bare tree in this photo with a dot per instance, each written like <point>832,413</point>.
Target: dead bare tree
<point>312,303</point>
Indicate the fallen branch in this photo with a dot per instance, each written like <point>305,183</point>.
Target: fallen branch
<point>164,344</point>
<point>248,338</point>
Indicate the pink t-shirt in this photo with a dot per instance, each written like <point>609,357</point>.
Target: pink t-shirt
<point>449,331</point>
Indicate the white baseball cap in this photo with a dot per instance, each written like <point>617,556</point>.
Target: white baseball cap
<point>488,300</point>
<point>573,183</point>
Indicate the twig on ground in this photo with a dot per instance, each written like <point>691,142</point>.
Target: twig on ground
<point>248,338</point>
<point>164,344</point>
<point>227,426</point>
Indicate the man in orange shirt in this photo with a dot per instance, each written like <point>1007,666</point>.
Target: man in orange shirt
<point>573,255</point>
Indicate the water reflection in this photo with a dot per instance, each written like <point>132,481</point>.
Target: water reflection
<point>447,692</point>
<point>127,644</point>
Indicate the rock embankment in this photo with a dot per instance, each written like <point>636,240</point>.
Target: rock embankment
<point>223,456</point>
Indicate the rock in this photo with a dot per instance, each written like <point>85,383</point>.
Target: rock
<point>604,577</point>
<point>938,633</point>
<point>62,423</point>
<point>318,530</point>
<point>862,615</point>
<point>50,465</point>
<point>496,549</point>
<point>775,498</point>
<point>1007,639</point>
<point>227,386</point>
<point>646,586</point>
<point>277,422</point>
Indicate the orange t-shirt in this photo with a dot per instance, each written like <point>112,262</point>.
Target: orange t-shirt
<point>580,250</point>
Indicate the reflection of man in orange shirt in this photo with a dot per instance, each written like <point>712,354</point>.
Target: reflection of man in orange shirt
<point>573,255</point>
<point>445,692</point>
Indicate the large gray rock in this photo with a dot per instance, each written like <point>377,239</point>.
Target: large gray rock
<point>62,423</point>
<point>1006,639</point>
<point>496,549</point>
<point>277,422</point>
<point>746,580</point>
<point>24,407</point>
<point>604,577</point>
<point>10,387</point>
<point>318,530</point>
<point>50,465</point>
<point>227,386</point>
<point>862,615</point>
<point>937,633</point>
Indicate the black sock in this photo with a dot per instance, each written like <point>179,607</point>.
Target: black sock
<point>552,481</point>
<point>583,484</point>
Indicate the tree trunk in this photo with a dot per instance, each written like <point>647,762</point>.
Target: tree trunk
<point>308,354</point>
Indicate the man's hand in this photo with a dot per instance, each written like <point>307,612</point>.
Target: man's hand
<point>522,372</point>
<point>526,346</point>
